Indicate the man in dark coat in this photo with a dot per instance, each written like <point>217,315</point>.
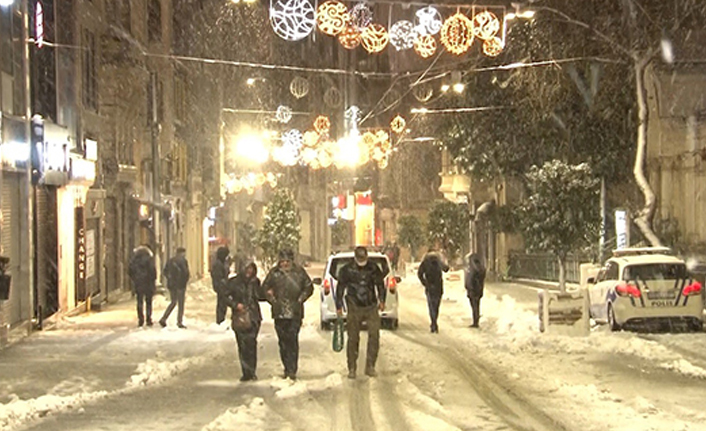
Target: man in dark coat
<point>362,284</point>
<point>143,274</point>
<point>177,272</point>
<point>219,277</point>
<point>243,292</point>
<point>430,274</point>
<point>475,282</point>
<point>287,286</point>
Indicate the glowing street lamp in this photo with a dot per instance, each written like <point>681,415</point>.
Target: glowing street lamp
<point>6,3</point>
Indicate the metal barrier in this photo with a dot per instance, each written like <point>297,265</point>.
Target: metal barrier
<point>543,266</point>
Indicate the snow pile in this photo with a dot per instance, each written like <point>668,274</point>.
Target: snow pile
<point>256,416</point>
<point>286,388</point>
<point>18,412</point>
<point>154,372</point>
<point>685,367</point>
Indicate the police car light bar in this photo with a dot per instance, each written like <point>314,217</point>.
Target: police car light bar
<point>638,251</point>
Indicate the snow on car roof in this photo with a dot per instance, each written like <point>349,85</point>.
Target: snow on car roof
<point>348,254</point>
<point>647,259</point>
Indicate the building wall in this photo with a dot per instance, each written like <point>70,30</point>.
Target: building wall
<point>676,150</point>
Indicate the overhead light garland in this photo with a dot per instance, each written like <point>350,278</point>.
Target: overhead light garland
<point>374,38</point>
<point>398,124</point>
<point>249,182</point>
<point>283,114</point>
<point>349,38</point>
<point>322,124</point>
<point>429,21</point>
<point>425,46</point>
<point>361,16</point>
<point>403,35</point>
<point>332,17</point>
<point>485,25</point>
<point>457,33</point>
<point>299,87</point>
<point>292,19</point>
<point>493,47</point>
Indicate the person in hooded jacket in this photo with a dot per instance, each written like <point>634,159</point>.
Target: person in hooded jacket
<point>177,272</point>
<point>430,275</point>
<point>286,287</point>
<point>143,274</point>
<point>362,283</point>
<point>243,293</point>
<point>474,283</point>
<point>220,268</point>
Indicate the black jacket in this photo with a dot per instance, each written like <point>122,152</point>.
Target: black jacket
<point>431,271</point>
<point>363,285</point>
<point>220,270</point>
<point>177,272</point>
<point>143,272</point>
<point>287,291</point>
<point>243,290</point>
<point>474,278</point>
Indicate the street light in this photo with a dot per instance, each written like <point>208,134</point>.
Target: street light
<point>6,3</point>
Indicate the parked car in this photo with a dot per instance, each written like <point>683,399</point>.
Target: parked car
<point>646,287</point>
<point>327,288</point>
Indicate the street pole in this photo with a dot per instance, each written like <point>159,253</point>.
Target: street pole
<point>156,195</point>
<point>601,240</point>
<point>27,190</point>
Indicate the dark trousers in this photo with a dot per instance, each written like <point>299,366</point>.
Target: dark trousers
<point>221,308</point>
<point>247,349</point>
<point>144,306</point>
<point>177,297</point>
<point>475,309</point>
<point>433,302</point>
<point>288,336</point>
<point>356,316</point>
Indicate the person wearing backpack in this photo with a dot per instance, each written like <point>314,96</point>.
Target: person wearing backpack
<point>177,272</point>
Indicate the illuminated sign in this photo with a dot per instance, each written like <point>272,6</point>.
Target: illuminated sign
<point>80,254</point>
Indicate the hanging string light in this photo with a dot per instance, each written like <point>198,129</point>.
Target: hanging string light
<point>283,114</point>
<point>423,92</point>
<point>398,124</point>
<point>425,46</point>
<point>332,17</point>
<point>485,25</point>
<point>457,33</point>
<point>349,37</point>
<point>374,38</point>
<point>429,21</point>
<point>292,19</point>
<point>493,47</point>
<point>402,35</point>
<point>322,124</point>
<point>299,87</point>
<point>361,16</point>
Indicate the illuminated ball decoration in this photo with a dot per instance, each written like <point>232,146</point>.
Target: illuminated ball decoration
<point>283,114</point>
<point>384,163</point>
<point>493,47</point>
<point>457,33</point>
<point>311,138</point>
<point>292,19</point>
<point>361,16</point>
<point>299,87</point>
<point>402,35</point>
<point>333,98</point>
<point>429,21</point>
<point>322,124</point>
<point>485,25</point>
<point>425,46</point>
<point>374,38</point>
<point>423,92</point>
<point>349,38</point>
<point>398,124</point>
<point>293,138</point>
<point>332,17</point>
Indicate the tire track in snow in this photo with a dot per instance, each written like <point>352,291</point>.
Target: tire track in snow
<point>515,410</point>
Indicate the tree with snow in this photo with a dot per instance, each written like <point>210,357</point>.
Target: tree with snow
<point>560,213</point>
<point>281,227</point>
<point>410,233</point>
<point>448,227</point>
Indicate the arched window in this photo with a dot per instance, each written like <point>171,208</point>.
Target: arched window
<point>154,21</point>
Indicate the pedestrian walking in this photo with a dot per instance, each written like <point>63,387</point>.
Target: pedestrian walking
<point>475,283</point>
<point>143,274</point>
<point>219,277</point>
<point>287,286</point>
<point>361,283</point>
<point>430,275</point>
<point>243,292</point>
<point>177,272</point>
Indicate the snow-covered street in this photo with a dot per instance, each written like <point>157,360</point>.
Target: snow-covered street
<point>100,372</point>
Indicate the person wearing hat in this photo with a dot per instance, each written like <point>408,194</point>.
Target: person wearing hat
<point>286,287</point>
<point>361,282</point>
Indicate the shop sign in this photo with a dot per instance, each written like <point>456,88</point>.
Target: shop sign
<point>90,241</point>
<point>82,170</point>
<point>80,254</point>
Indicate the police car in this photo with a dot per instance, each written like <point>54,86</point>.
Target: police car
<point>646,287</point>
<point>327,288</point>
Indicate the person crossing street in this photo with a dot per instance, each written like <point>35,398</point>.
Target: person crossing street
<point>177,272</point>
<point>361,283</point>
